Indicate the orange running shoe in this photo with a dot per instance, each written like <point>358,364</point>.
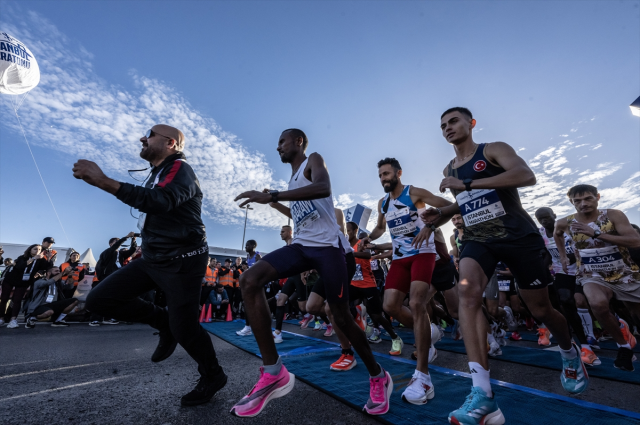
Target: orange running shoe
<point>345,362</point>
<point>589,357</point>
<point>543,337</point>
<point>628,335</point>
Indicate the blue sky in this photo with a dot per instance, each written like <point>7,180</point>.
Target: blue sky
<point>364,80</point>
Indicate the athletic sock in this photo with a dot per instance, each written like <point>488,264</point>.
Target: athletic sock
<point>381,374</point>
<point>569,354</point>
<point>480,378</point>
<point>273,369</point>
<point>587,322</point>
<point>347,351</point>
<point>61,317</point>
<point>425,377</point>
<point>627,345</point>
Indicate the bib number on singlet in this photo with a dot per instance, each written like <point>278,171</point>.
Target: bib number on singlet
<point>358,274</point>
<point>374,264</point>
<point>503,285</point>
<point>607,259</point>
<point>304,213</point>
<point>400,222</point>
<point>479,205</point>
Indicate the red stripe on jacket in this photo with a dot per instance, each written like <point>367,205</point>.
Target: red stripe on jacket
<point>172,173</point>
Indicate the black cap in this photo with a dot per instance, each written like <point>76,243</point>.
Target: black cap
<point>228,259</point>
<point>49,239</point>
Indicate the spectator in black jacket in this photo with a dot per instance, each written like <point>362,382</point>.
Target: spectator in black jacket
<point>21,276</point>
<point>174,256</point>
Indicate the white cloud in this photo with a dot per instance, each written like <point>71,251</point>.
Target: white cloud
<point>74,111</point>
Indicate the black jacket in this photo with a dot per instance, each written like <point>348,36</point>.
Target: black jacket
<point>107,260</point>
<point>173,204</point>
<point>17,272</point>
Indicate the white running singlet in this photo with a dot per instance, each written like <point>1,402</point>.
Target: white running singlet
<point>314,220</point>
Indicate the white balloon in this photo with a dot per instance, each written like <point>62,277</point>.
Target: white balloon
<point>19,71</point>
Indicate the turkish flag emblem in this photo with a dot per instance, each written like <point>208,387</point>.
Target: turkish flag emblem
<point>479,166</point>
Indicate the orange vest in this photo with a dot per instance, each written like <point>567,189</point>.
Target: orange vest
<point>74,275</point>
<point>227,279</point>
<point>237,281</point>
<point>48,255</point>
<point>211,276</point>
<point>363,278</point>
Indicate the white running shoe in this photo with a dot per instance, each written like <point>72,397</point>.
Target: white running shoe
<point>418,392</point>
<point>94,323</point>
<point>244,331</point>
<point>318,326</point>
<point>500,337</point>
<point>277,337</point>
<point>12,324</point>
<point>2,323</point>
<point>433,354</point>
<point>494,349</point>
<point>511,320</point>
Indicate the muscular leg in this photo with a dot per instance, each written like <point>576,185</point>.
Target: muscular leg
<point>540,306</point>
<point>344,341</point>
<point>394,307</point>
<point>599,297</point>
<point>343,320</point>
<point>473,323</point>
<point>252,283</point>
<point>421,293</point>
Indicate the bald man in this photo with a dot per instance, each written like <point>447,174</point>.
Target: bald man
<point>174,256</point>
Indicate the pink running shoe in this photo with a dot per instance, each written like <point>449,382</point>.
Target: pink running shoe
<point>267,388</point>
<point>306,320</point>
<point>379,394</point>
<point>329,331</point>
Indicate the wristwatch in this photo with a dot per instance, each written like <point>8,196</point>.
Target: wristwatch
<point>274,195</point>
<point>467,184</point>
<point>596,234</point>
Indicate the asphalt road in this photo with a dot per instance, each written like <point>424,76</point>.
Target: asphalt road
<point>103,375</point>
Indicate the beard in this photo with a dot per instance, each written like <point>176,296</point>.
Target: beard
<point>459,226</point>
<point>393,183</point>
<point>285,158</point>
<point>149,153</point>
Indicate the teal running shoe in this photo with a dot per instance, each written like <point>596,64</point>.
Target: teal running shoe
<point>574,376</point>
<point>477,409</point>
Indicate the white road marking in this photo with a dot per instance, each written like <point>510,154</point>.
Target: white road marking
<point>59,368</point>
<point>97,381</point>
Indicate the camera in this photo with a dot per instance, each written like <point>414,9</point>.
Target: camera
<point>136,235</point>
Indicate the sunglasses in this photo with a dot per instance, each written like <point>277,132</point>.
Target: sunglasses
<point>150,133</point>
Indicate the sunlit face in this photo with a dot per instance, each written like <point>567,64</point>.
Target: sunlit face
<point>288,147</point>
<point>585,203</point>
<point>154,147</point>
<point>456,127</point>
<point>546,218</point>
<point>36,250</point>
<point>285,233</point>
<point>389,177</point>
<point>457,221</point>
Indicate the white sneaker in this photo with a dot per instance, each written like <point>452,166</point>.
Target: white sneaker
<point>94,323</point>
<point>500,337</point>
<point>318,326</point>
<point>511,320</point>
<point>110,322</point>
<point>433,354</point>
<point>418,392</point>
<point>2,323</point>
<point>244,331</point>
<point>277,337</point>
<point>12,324</point>
<point>435,334</point>
<point>494,349</point>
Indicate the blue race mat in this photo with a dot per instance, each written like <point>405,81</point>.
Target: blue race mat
<point>519,404</point>
<point>290,346</point>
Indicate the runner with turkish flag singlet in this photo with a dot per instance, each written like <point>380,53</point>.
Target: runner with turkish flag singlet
<point>414,257</point>
<point>604,267</point>
<point>316,245</point>
<point>485,179</point>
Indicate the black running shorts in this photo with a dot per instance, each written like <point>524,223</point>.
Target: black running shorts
<point>443,276</point>
<point>523,257</point>
<point>319,287</point>
<point>370,296</point>
<point>295,284</point>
